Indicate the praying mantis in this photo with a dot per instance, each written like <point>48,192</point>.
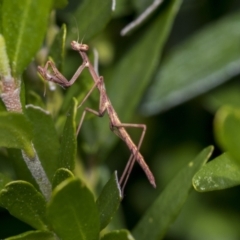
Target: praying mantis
<point>105,105</point>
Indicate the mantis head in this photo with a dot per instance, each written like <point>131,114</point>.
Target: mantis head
<point>79,46</point>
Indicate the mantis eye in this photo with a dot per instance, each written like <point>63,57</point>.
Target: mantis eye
<point>84,47</point>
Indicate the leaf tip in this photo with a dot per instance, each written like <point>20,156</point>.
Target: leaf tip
<point>118,185</point>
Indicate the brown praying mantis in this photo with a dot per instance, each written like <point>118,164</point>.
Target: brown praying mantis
<point>104,106</point>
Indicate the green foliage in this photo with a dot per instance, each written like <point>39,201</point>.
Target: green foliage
<point>16,132</point>
<point>19,30</point>
<point>187,72</point>
<point>221,173</point>
<point>44,131</point>
<point>40,149</point>
<point>4,62</point>
<point>154,224</point>
<point>60,3</point>
<point>109,200</point>
<point>4,180</point>
<point>68,148</point>
<point>23,201</point>
<point>75,204</point>
<point>61,175</point>
<point>227,130</point>
<point>88,17</point>
<point>57,50</point>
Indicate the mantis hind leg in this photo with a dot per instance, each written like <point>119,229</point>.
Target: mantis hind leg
<point>127,171</point>
<point>83,116</point>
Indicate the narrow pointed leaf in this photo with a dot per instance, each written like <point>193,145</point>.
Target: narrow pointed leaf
<point>221,173</point>
<point>23,35</point>
<point>136,66</point>
<point>45,138</point>
<point>73,201</point>
<point>68,148</point>
<point>57,51</point>
<point>61,175</point>
<point>167,206</point>
<point>16,132</point>
<point>93,16</point>
<point>227,130</point>
<point>197,65</point>
<point>24,202</point>
<point>34,235</point>
<point>109,200</point>
<point>118,235</point>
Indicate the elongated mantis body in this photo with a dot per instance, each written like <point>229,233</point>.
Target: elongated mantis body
<point>104,106</point>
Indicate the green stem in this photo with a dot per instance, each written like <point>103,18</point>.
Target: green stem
<point>37,171</point>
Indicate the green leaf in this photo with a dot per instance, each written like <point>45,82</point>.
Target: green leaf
<point>227,130</point>
<point>207,59</point>
<point>93,16</point>
<point>24,24</point>
<point>138,68</point>
<point>122,9</point>
<point>118,235</point>
<point>61,175</point>
<point>16,132</point>
<point>73,201</point>
<point>4,61</point>
<point>24,202</point>
<point>109,200</point>
<point>221,173</point>
<point>69,142</point>
<point>167,206</point>
<point>34,235</point>
<point>45,138</point>
<point>57,50</point>
<point>135,69</point>
<point>32,171</point>
<point>60,3</point>
<point>4,180</point>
